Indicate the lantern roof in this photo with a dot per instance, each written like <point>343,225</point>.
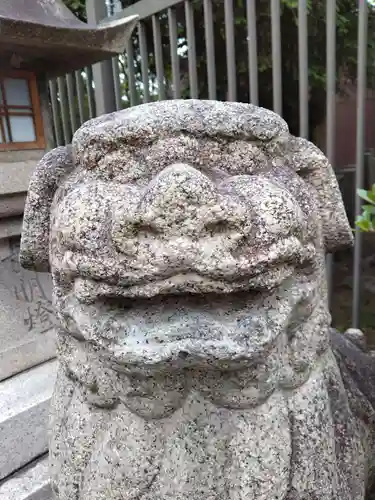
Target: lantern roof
<point>44,36</point>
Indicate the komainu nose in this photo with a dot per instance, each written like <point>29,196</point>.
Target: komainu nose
<point>177,202</point>
<point>177,192</point>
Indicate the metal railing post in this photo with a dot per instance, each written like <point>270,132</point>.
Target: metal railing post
<point>360,156</point>
<point>331,109</point>
<point>105,96</point>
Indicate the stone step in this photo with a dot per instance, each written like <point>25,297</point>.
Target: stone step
<point>24,408</point>
<point>30,483</point>
<point>26,354</point>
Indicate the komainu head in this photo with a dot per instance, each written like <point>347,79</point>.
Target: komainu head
<point>185,232</point>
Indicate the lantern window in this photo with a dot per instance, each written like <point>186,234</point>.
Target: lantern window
<point>21,124</point>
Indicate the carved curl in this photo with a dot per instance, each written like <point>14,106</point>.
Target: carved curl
<point>52,168</point>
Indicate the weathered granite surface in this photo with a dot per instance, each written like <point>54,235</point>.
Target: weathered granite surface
<point>186,241</point>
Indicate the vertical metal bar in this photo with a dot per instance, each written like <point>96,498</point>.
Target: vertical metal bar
<point>116,82</point>
<point>276,56</point>
<point>158,57</point>
<point>113,8</point>
<point>90,92</point>
<point>55,113</point>
<point>303,69</point>
<point>331,108</point>
<point>192,55</point>
<point>252,51</point>
<point>72,102</point>
<point>360,147</point>
<point>144,61</point>
<point>331,80</point>
<point>103,76</point>
<point>80,96</point>
<point>210,48</point>
<point>371,169</point>
<point>64,109</point>
<point>131,73</point>
<point>230,49</point>
<point>173,42</point>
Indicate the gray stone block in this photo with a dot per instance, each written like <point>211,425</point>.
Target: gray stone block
<point>30,483</point>
<point>16,170</point>
<point>12,205</point>
<point>26,316</point>
<point>10,226</point>
<point>24,407</point>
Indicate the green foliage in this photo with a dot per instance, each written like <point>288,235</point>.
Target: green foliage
<point>366,221</point>
<point>78,7</point>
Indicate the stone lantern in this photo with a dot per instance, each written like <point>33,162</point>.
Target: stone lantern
<point>39,39</point>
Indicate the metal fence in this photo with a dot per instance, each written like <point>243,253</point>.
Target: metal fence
<point>140,75</point>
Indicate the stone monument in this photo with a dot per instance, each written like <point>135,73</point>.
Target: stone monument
<point>187,242</point>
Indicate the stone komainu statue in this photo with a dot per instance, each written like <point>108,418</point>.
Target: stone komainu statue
<point>187,241</point>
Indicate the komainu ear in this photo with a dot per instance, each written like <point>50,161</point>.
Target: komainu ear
<point>316,170</point>
<point>34,251</point>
